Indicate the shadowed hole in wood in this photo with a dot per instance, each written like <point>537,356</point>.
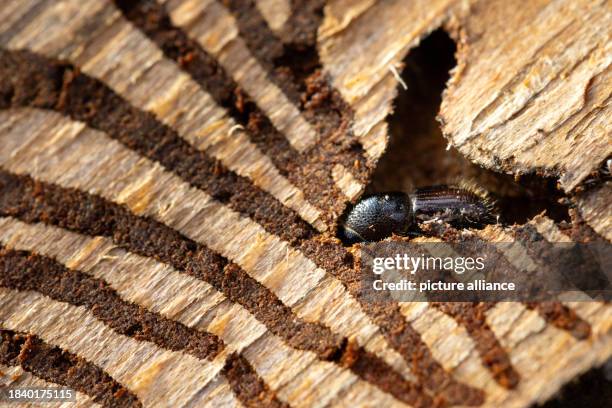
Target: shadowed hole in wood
<point>417,153</point>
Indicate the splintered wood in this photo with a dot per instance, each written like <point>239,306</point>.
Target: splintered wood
<point>531,92</point>
<point>245,253</point>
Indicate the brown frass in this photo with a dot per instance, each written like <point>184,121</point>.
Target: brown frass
<point>294,66</point>
<point>25,271</point>
<point>61,367</point>
<point>33,201</point>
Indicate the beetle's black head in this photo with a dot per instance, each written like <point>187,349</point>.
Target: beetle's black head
<point>376,217</point>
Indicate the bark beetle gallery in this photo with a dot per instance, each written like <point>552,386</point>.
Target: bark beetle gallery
<point>174,175</point>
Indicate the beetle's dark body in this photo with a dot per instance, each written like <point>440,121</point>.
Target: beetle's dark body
<point>377,216</point>
<point>456,206</point>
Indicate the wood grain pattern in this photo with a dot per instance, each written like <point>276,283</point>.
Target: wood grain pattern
<point>530,80</point>
<point>276,12</point>
<point>516,96</point>
<point>16,377</point>
<point>153,374</point>
<point>195,115</point>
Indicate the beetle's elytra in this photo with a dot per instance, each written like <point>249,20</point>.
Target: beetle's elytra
<point>380,215</point>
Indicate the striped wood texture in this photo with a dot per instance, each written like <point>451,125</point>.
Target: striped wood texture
<point>156,237</point>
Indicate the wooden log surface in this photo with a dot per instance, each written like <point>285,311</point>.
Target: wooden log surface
<point>172,173</point>
<point>17,377</point>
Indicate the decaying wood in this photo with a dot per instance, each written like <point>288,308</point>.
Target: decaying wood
<point>16,377</point>
<point>140,184</point>
<point>530,94</point>
<point>594,206</point>
<point>276,12</point>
